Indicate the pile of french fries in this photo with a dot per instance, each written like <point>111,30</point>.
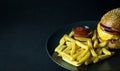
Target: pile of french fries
<point>81,50</point>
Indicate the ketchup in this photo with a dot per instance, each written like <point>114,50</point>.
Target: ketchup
<point>81,31</point>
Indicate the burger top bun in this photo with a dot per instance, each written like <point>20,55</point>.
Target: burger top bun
<point>112,19</point>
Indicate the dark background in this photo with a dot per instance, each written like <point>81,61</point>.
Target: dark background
<point>25,26</point>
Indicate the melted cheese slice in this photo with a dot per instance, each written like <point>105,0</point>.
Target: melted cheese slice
<point>104,35</point>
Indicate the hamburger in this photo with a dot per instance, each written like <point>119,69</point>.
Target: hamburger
<point>109,28</point>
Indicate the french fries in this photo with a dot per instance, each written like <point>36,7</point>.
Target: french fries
<point>94,35</point>
<point>82,50</point>
<point>82,60</point>
<point>91,49</point>
<point>71,34</point>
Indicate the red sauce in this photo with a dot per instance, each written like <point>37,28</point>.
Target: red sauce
<point>81,31</point>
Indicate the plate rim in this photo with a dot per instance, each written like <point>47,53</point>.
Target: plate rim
<point>46,43</point>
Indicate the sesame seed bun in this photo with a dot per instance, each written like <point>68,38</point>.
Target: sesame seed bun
<point>112,19</point>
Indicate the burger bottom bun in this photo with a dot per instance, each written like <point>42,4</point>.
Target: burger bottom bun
<point>114,44</point>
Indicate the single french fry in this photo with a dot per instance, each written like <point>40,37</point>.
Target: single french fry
<point>60,48</point>
<point>102,44</point>
<point>89,43</point>
<point>102,57</point>
<point>73,48</point>
<point>94,35</point>
<point>62,40</point>
<point>80,44</point>
<point>67,38</point>
<point>93,52</point>
<point>106,52</point>
<point>81,38</point>
<point>96,59</point>
<point>71,34</point>
<point>95,45</point>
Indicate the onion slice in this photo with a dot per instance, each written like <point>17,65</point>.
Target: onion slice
<point>109,29</point>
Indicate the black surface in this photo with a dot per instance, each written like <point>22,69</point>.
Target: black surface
<point>25,26</point>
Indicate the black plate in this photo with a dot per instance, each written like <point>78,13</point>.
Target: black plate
<point>111,64</point>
